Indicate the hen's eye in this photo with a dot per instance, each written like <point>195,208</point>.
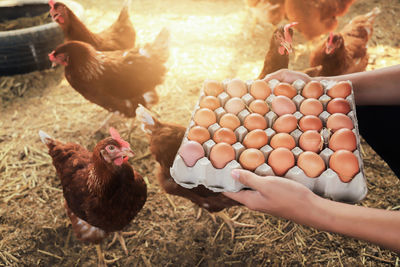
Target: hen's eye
<point>111,147</point>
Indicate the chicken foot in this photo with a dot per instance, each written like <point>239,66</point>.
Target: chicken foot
<point>231,222</point>
<point>120,236</point>
<point>102,262</point>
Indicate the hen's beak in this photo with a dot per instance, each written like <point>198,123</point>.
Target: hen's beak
<point>127,152</point>
<point>329,49</point>
<point>52,59</point>
<point>287,45</point>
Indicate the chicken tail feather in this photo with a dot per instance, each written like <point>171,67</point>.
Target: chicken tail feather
<point>374,12</point>
<point>160,47</point>
<point>144,116</point>
<point>124,14</point>
<point>127,3</point>
<point>46,139</point>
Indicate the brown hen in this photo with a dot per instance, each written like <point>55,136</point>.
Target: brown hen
<point>316,17</point>
<point>165,140</point>
<point>102,191</point>
<point>280,46</point>
<point>346,51</point>
<point>265,11</point>
<point>119,36</point>
<point>115,80</point>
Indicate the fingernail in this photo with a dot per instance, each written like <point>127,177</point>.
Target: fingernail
<point>235,174</point>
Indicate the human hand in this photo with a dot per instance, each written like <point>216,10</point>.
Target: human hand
<point>288,76</point>
<point>274,195</point>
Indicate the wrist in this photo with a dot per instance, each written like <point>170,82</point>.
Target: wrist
<point>320,216</point>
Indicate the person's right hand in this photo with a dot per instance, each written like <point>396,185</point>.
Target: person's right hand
<point>277,196</point>
<point>288,76</point>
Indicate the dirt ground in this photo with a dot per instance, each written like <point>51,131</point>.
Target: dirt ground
<point>209,40</point>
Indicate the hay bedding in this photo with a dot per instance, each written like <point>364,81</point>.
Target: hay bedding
<point>25,22</point>
<point>207,42</point>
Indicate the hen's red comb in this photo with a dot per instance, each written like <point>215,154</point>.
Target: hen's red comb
<point>330,38</point>
<point>288,38</point>
<point>115,135</point>
<point>51,3</point>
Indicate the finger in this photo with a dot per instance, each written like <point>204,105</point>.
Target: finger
<point>249,198</point>
<point>275,75</point>
<point>248,178</point>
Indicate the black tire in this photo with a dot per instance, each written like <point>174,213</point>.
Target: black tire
<point>26,50</point>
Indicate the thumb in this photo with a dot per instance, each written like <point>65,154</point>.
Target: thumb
<point>248,178</point>
<point>275,75</point>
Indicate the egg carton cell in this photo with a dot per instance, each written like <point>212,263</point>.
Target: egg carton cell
<point>327,184</point>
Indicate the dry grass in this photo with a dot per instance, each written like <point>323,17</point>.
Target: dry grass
<point>208,41</point>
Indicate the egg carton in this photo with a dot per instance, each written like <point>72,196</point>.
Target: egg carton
<point>328,184</point>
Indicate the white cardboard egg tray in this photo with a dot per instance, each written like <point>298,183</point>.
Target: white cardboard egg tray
<point>328,184</point>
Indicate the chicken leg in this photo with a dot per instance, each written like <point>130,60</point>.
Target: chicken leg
<point>230,222</point>
<point>120,236</point>
<point>102,262</point>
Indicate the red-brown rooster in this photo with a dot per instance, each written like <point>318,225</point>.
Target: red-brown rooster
<point>119,36</point>
<point>346,52</point>
<point>165,140</point>
<point>280,46</point>
<point>115,80</point>
<point>316,17</point>
<point>102,191</point>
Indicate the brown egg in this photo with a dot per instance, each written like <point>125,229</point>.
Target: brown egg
<point>210,102</point>
<point>204,117</point>
<point>338,105</point>
<point>191,152</point>
<point>221,154</point>
<point>343,139</point>
<point>341,89</point>
<point>285,124</point>
<point>236,88</point>
<point>225,135</point>
<point>255,121</point>
<point>338,121</point>
<point>251,158</point>
<point>259,106</point>
<point>234,105</point>
<point>312,89</point>
<point>311,141</point>
<point>345,164</point>
<point>310,122</point>
<point>255,139</point>
<point>283,105</point>
<point>311,106</point>
<point>282,140</point>
<point>260,90</point>
<point>285,89</point>
<point>198,134</point>
<point>281,160</point>
<point>311,163</point>
<point>213,88</point>
<point>230,121</point>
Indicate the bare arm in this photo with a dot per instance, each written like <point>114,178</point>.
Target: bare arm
<point>375,87</point>
<point>291,200</point>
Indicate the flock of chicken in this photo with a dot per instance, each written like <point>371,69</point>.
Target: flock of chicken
<point>340,53</point>
<point>102,191</point>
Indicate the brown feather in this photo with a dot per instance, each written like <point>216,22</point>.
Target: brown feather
<point>119,36</point>
<point>165,140</point>
<point>316,17</point>
<point>352,55</point>
<point>97,194</point>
